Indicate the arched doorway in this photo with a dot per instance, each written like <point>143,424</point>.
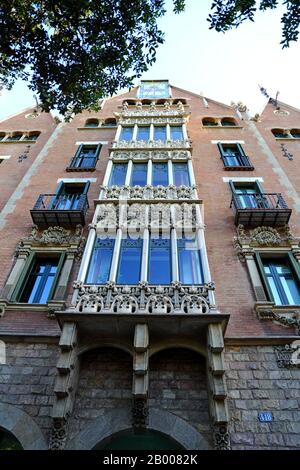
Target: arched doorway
<point>8,441</point>
<point>139,440</point>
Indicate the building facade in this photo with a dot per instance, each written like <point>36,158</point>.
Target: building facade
<point>150,276</point>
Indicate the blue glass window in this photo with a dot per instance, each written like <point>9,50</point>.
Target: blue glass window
<point>139,174</point>
<point>126,133</point>
<point>160,133</point>
<point>130,261</point>
<point>40,281</point>
<point>159,271</point>
<point>143,133</point>
<point>181,174</point>
<point>176,133</point>
<point>160,174</point>
<point>86,156</point>
<point>118,174</point>
<point>282,281</point>
<point>154,89</point>
<point>99,268</point>
<point>189,260</point>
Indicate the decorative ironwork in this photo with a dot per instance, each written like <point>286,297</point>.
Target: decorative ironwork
<point>237,162</point>
<point>221,437</point>
<point>140,413</point>
<point>65,209</point>
<point>286,153</point>
<point>273,101</point>
<point>24,155</point>
<point>143,298</point>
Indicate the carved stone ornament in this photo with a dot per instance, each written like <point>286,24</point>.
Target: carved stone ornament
<point>246,241</point>
<point>292,320</point>
<point>142,298</point>
<point>58,435</point>
<point>288,355</point>
<point>140,413</point>
<point>155,155</point>
<point>221,437</point>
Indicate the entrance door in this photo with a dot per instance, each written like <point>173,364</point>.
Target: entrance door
<point>142,440</point>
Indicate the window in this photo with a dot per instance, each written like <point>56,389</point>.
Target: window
<point>2,135</point>
<point>190,269</point>
<point>279,133</point>
<point>118,174</point>
<point>143,133</point>
<point>249,196</point>
<point>40,281</point>
<point>86,157</point>
<point>208,122</point>
<point>126,133</point>
<point>159,269</point>
<point>92,123</point>
<point>160,174</point>
<point>233,155</point>
<point>15,137</point>
<point>139,174</point>
<point>160,133</point>
<point>295,133</point>
<point>99,268</point>
<point>176,133</point>
<point>130,261</point>
<point>280,275</point>
<point>181,174</point>
<point>228,122</point>
<point>110,122</point>
<point>154,89</point>
<point>69,196</point>
<point>32,136</point>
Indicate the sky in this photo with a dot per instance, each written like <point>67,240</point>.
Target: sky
<point>224,67</point>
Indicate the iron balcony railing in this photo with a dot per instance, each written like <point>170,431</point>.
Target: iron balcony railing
<point>260,209</point>
<point>64,209</point>
<point>240,162</point>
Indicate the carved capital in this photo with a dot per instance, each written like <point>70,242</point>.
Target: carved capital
<point>221,437</point>
<point>58,435</point>
<point>140,413</point>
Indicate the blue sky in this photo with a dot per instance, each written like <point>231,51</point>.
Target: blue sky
<point>225,67</point>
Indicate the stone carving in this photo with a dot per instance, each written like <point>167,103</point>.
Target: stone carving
<point>140,413</point>
<point>221,437</point>
<point>54,236</point>
<point>245,241</point>
<point>154,109</point>
<point>154,155</point>
<point>292,320</point>
<point>142,298</point>
<point>58,435</point>
<point>148,192</point>
<point>284,355</point>
<point>149,144</point>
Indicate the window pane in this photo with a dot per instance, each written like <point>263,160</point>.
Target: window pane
<point>126,133</point>
<point>86,157</point>
<point>139,174</point>
<point>154,89</point>
<point>99,268</point>
<point>160,133</point>
<point>40,281</point>
<point>176,133</point>
<point>159,261</point>
<point>118,174</point>
<point>181,174</point>
<point>130,262</point>
<point>190,269</point>
<point>160,174</point>
<point>143,133</point>
<point>282,281</point>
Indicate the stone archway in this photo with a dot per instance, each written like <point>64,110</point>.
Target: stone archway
<point>22,426</point>
<point>118,420</point>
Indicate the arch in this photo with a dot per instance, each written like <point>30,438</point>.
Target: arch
<point>118,420</point>
<point>189,345</point>
<point>34,135</point>
<point>22,426</point>
<point>15,136</point>
<point>228,121</point>
<point>295,133</point>
<point>105,344</point>
<point>110,122</point>
<point>209,121</point>
<point>92,122</point>
<point>279,133</point>
<point>2,135</point>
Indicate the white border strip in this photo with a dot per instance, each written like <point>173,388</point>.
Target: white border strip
<point>227,141</point>
<point>77,180</point>
<point>4,157</point>
<point>93,142</point>
<point>243,179</point>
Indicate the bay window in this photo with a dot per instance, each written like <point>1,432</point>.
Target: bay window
<point>181,174</point>
<point>130,261</point>
<point>159,268</point>
<point>100,263</point>
<point>189,261</point>
<point>118,174</point>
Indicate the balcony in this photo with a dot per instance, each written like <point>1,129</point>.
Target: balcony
<point>253,210</point>
<point>67,210</point>
<point>237,163</point>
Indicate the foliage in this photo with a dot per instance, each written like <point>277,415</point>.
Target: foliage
<point>75,52</point>
<point>228,14</point>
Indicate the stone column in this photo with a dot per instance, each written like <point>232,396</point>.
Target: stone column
<point>191,172</point>
<point>145,255</point>
<point>174,255</point>
<point>149,172</point>
<point>140,376</point>
<point>116,254</point>
<point>129,173</point>
<point>107,173</point>
<point>170,172</point>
